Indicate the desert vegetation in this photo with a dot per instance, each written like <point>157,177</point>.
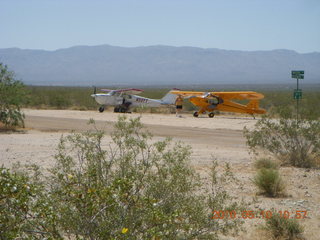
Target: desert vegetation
<point>283,137</point>
<point>268,179</point>
<point>269,182</point>
<point>12,95</point>
<point>267,163</point>
<point>291,139</point>
<point>133,188</point>
<point>280,227</point>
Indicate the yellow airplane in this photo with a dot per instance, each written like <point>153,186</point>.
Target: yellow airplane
<point>208,102</point>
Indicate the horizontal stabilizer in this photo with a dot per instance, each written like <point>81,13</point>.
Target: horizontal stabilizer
<point>169,98</point>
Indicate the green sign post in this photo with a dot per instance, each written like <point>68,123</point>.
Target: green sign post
<point>297,74</point>
<point>297,94</point>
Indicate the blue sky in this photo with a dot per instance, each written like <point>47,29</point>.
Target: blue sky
<point>225,24</point>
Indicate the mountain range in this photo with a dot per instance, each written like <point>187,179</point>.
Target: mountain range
<point>157,65</point>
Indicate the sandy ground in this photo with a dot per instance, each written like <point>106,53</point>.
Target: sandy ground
<point>231,122</point>
<point>219,138</point>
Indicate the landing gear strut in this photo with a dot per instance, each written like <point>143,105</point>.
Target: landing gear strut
<point>122,108</point>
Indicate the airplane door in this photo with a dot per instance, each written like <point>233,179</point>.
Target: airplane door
<point>119,100</point>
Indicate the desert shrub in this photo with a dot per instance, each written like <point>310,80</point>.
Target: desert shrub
<point>293,142</point>
<point>265,163</point>
<point>60,97</point>
<point>26,209</point>
<point>275,98</point>
<point>269,182</point>
<point>283,228</point>
<point>132,189</point>
<point>11,98</point>
<point>59,101</point>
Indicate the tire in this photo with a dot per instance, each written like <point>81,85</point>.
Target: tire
<point>211,115</point>
<point>116,109</point>
<point>196,114</point>
<point>101,109</point>
<point>123,110</point>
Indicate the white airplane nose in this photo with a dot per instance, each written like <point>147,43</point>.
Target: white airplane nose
<point>93,95</point>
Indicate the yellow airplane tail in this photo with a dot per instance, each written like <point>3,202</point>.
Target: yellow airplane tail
<point>254,106</point>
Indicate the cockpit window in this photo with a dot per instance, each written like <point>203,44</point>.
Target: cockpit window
<point>213,100</point>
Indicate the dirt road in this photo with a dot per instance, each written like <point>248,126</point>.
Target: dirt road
<point>219,138</point>
<point>216,137</point>
<point>227,145</point>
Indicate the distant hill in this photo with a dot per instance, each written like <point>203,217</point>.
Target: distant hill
<point>157,65</point>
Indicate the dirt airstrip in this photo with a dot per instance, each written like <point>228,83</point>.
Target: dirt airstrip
<point>219,138</point>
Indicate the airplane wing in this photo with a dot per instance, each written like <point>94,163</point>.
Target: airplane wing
<point>239,95</point>
<point>224,95</point>
<point>188,93</point>
<point>126,90</point>
<point>106,90</point>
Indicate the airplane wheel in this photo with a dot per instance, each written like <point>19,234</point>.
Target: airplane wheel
<point>101,109</point>
<point>116,109</point>
<point>211,115</point>
<point>123,110</point>
<point>196,114</point>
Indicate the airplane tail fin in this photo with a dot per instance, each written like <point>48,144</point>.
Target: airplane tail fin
<point>169,98</point>
<point>254,105</point>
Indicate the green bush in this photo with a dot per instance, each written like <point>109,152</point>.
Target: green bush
<point>60,97</point>
<point>131,188</point>
<point>293,142</point>
<point>59,102</point>
<point>12,95</point>
<point>269,182</point>
<point>26,208</point>
<point>283,228</point>
<point>265,163</point>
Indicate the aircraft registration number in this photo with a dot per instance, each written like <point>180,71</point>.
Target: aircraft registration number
<point>143,100</point>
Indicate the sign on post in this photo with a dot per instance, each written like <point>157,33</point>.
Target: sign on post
<point>297,94</point>
<point>297,74</point>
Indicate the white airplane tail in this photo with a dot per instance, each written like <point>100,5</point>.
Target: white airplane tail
<point>169,98</point>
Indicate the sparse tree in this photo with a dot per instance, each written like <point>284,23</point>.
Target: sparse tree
<point>12,94</point>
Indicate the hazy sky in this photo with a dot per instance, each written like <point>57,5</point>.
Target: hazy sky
<point>225,24</point>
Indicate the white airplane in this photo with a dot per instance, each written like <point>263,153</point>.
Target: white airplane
<point>123,99</point>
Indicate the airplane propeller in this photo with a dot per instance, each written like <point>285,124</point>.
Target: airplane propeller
<point>94,90</point>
